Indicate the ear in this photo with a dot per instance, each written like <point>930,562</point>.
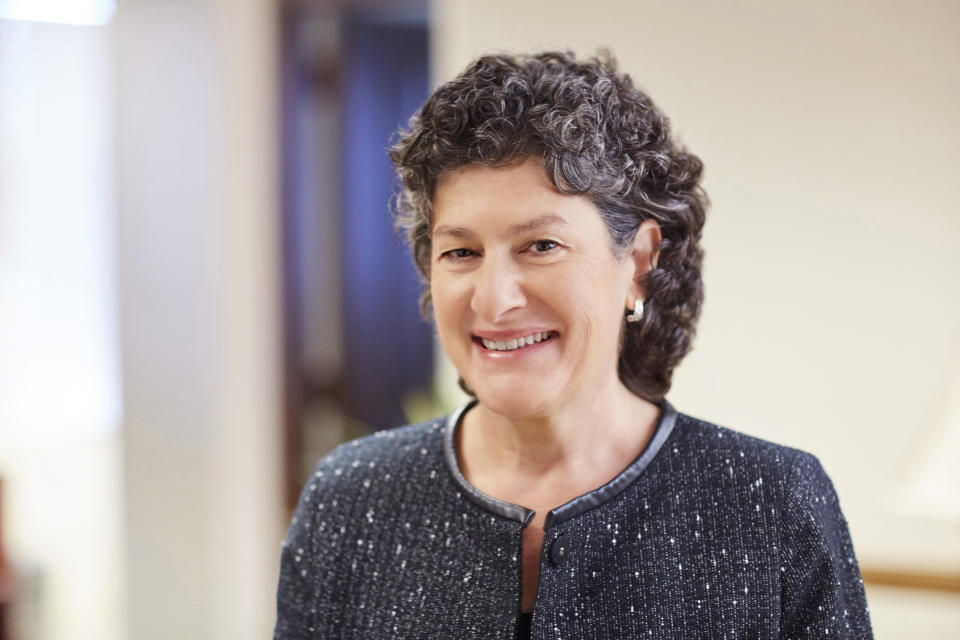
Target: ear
<point>642,256</point>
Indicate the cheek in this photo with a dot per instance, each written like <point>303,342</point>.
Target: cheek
<point>586,292</point>
<point>448,306</point>
<point>594,314</point>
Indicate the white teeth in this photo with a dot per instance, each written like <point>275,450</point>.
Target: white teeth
<point>517,343</point>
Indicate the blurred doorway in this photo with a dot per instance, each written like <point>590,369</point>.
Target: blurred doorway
<point>357,349</point>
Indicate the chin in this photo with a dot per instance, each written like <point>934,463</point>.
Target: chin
<point>514,401</point>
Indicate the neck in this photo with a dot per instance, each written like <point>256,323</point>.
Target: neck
<point>606,431</point>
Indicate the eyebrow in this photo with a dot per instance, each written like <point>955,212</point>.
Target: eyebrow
<point>545,220</point>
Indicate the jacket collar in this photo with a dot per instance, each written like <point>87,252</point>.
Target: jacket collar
<point>573,508</point>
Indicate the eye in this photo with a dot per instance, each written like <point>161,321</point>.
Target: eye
<point>544,246</point>
<point>456,255</point>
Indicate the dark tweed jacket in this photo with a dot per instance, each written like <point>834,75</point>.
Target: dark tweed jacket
<point>708,534</point>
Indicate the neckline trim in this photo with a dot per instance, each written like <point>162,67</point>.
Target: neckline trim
<point>568,510</point>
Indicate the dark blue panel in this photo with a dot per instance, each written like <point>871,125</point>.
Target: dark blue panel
<point>388,347</point>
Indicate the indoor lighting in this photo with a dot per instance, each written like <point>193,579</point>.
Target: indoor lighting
<point>78,12</point>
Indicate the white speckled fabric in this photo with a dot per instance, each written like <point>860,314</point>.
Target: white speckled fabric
<point>721,536</point>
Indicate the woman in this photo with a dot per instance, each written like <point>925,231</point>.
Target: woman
<point>557,225</point>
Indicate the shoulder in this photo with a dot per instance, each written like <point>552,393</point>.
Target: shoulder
<point>731,457</point>
<point>384,452</point>
<point>373,469</point>
<point>713,442</point>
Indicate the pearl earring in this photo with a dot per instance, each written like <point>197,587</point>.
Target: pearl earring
<point>637,314</point>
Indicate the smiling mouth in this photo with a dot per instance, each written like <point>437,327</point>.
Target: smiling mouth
<point>515,344</point>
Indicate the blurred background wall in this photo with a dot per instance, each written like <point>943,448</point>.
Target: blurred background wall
<point>198,253</point>
<point>60,377</point>
<point>200,291</point>
<point>141,301</point>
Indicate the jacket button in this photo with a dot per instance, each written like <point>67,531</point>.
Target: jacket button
<point>559,550</point>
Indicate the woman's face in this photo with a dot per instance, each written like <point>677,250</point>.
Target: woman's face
<point>528,296</point>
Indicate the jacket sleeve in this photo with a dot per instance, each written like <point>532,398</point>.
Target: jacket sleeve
<point>822,592</point>
<point>296,613</point>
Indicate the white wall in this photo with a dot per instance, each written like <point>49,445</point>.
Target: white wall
<point>829,133</point>
<point>59,366</point>
<point>198,246</point>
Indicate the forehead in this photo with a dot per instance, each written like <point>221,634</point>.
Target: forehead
<point>514,197</point>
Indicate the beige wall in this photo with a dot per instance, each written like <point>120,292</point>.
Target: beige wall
<point>199,307</point>
<point>829,132</point>
<point>59,396</point>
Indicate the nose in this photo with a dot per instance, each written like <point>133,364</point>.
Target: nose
<point>498,288</point>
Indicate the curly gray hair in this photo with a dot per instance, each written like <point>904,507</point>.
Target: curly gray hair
<point>598,136</point>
